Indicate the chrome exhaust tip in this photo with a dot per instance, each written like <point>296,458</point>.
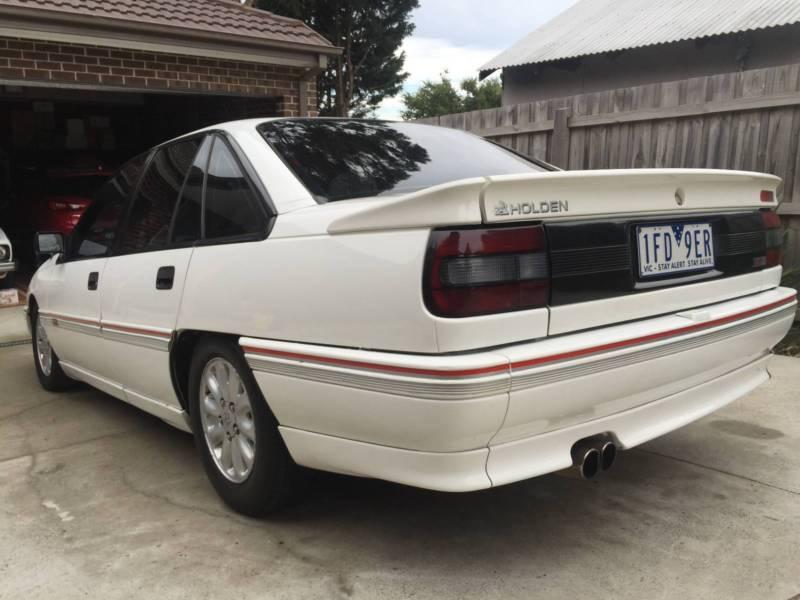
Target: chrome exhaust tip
<point>608,455</point>
<point>587,460</point>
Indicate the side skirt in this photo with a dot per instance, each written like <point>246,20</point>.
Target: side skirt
<point>174,416</point>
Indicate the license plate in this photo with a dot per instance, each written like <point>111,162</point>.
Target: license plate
<point>674,248</point>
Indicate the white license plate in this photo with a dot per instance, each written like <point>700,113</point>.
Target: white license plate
<point>675,248</point>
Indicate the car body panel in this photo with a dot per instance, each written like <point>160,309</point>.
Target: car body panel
<point>72,311</point>
<point>601,393</point>
<point>223,294</point>
<point>138,321</point>
<point>501,464</point>
<point>546,384</point>
<point>585,315</point>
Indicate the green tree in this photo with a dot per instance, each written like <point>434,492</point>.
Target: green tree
<point>435,98</point>
<point>484,94</point>
<point>370,33</point>
<point>432,99</point>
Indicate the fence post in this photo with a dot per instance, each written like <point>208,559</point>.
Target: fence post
<point>559,148</point>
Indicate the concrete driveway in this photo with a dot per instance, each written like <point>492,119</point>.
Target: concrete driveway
<point>100,500</point>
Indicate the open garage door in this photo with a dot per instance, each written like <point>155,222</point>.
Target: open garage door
<point>58,145</point>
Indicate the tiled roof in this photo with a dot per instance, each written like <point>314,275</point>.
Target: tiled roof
<point>204,16</point>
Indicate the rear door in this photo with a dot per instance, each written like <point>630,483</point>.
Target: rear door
<point>73,306</point>
<point>143,282</point>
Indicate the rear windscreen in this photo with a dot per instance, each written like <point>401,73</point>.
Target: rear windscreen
<point>338,159</point>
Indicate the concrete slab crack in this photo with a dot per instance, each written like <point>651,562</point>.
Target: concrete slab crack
<point>721,471</point>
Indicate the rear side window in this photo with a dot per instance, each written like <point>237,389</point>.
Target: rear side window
<point>231,206</point>
<point>187,225</point>
<point>148,225</point>
<point>95,234</point>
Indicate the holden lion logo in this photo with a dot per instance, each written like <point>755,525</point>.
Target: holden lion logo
<point>501,209</point>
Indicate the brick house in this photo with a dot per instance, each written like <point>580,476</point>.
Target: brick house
<point>197,46</point>
<point>92,80</point>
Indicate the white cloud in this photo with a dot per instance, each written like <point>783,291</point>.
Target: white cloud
<point>428,58</point>
<point>462,35</point>
<point>496,23</point>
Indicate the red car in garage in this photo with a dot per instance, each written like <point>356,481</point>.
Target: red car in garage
<point>66,195</point>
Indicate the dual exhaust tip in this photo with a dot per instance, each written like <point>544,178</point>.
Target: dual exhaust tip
<point>594,455</point>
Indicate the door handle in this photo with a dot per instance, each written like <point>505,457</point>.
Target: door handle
<point>165,278</point>
<point>94,277</point>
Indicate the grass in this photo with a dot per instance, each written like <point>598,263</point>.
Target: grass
<point>790,345</point>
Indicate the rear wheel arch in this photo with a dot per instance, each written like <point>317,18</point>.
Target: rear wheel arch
<point>180,360</point>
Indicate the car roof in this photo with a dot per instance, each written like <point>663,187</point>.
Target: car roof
<point>249,124</point>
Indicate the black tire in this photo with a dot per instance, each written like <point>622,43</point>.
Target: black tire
<point>56,380</point>
<point>7,282</point>
<point>274,476</point>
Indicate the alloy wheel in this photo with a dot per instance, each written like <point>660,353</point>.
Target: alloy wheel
<point>44,352</point>
<point>227,419</point>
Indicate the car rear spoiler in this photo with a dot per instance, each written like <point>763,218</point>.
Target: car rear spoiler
<point>560,194</point>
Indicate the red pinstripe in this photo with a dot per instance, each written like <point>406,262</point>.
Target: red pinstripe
<point>119,328</point>
<point>490,369</point>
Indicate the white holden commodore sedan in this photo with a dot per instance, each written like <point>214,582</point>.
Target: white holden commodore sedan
<point>411,303</point>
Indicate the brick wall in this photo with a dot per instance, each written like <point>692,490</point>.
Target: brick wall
<point>27,60</point>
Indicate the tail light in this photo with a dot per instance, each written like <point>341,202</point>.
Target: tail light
<point>774,238</point>
<point>473,272</point>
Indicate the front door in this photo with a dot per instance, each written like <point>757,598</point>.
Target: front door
<point>143,282</point>
<point>72,306</point>
<point>71,312</point>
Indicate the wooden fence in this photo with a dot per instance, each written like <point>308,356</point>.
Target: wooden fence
<point>748,121</point>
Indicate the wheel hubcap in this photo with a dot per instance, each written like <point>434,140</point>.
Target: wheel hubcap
<point>227,418</point>
<point>43,350</point>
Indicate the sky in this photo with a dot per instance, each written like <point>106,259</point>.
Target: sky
<point>461,35</point>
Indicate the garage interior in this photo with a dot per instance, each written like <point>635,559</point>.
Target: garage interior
<point>43,130</point>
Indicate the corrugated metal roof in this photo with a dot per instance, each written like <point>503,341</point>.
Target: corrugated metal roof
<point>215,16</point>
<point>595,26</point>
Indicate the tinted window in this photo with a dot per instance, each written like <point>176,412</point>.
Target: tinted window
<point>95,233</point>
<point>231,206</point>
<point>186,227</point>
<point>147,227</point>
<point>340,159</point>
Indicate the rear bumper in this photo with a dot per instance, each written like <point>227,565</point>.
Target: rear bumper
<point>466,422</point>
<point>506,463</point>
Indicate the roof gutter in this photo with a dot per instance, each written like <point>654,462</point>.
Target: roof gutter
<point>71,28</point>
